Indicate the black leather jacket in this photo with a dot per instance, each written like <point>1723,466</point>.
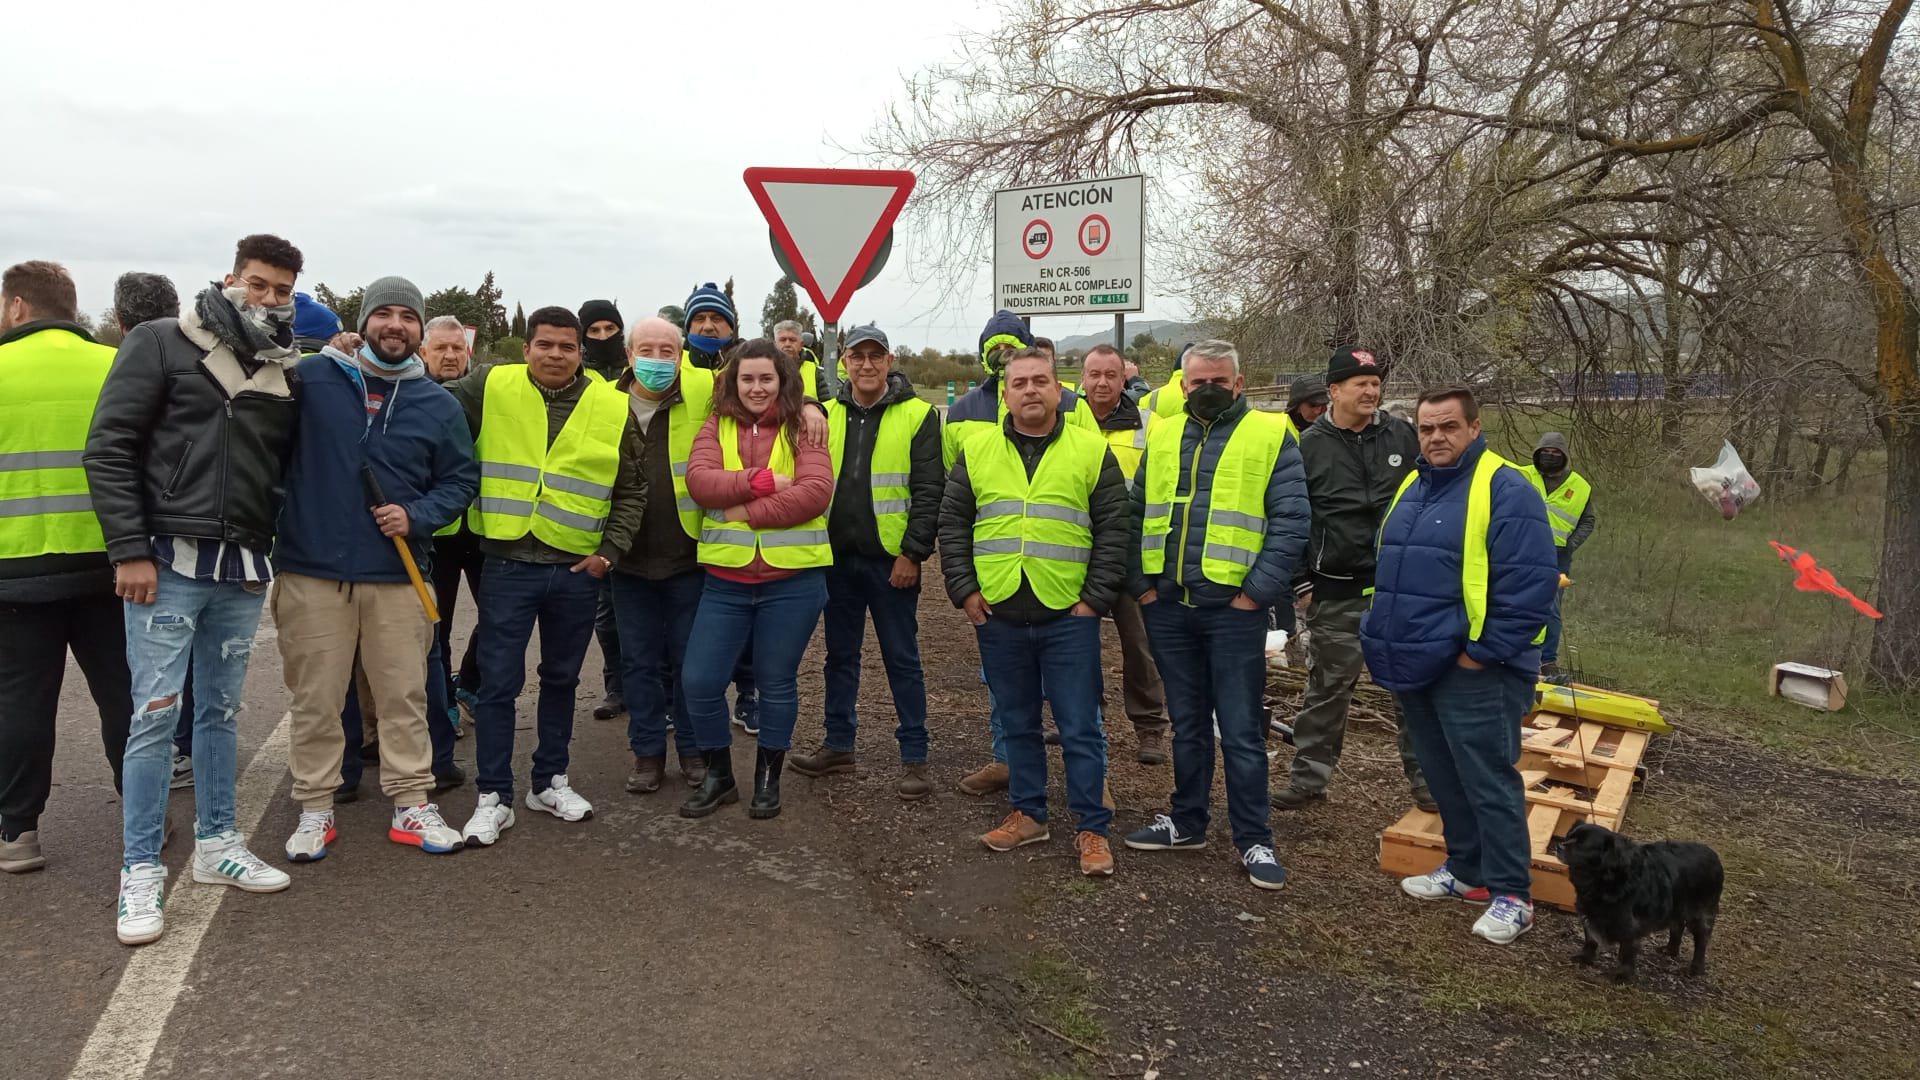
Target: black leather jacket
<point>174,452</point>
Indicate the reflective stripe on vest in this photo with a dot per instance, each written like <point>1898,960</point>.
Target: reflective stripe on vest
<point>1475,565</point>
<point>1130,446</point>
<point>49,382</point>
<point>1565,504</point>
<point>562,493</point>
<point>1042,527</point>
<point>1236,528</point>
<point>890,470</point>
<point>732,543</point>
<point>684,421</point>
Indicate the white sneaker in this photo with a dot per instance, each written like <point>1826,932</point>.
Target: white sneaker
<point>182,772</point>
<point>490,818</point>
<point>424,828</point>
<point>225,860</point>
<point>1505,919</point>
<point>561,801</point>
<point>143,889</point>
<point>310,839</point>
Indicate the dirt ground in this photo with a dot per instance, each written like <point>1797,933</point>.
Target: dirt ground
<point>1176,967</point>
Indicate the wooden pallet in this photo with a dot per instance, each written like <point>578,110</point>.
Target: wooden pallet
<point>1574,770</point>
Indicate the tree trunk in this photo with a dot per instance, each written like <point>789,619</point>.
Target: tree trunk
<point>1781,465</point>
<point>1673,406</point>
<point>1896,637</point>
<point>1843,476</point>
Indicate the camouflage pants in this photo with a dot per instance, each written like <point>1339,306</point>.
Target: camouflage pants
<point>1320,727</point>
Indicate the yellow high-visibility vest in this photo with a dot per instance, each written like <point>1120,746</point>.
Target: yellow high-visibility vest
<point>49,382</point>
<point>1565,504</point>
<point>890,471</point>
<point>733,543</point>
<point>1236,526</point>
<point>1042,527</point>
<point>562,493</point>
<point>1475,566</point>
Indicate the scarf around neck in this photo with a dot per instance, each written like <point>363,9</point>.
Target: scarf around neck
<point>261,334</point>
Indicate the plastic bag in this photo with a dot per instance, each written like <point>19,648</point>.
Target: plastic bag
<point>1727,485</point>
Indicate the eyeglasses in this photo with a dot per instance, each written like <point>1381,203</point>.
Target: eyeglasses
<point>281,293</point>
<point>865,359</point>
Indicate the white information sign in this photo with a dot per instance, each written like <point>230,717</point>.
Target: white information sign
<point>1076,248</point>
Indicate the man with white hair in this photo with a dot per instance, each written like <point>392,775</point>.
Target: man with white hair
<point>1222,502</point>
<point>658,582</point>
<point>788,337</point>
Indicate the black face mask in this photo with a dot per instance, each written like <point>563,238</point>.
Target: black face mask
<point>1208,401</point>
<point>1551,462</point>
<point>606,355</point>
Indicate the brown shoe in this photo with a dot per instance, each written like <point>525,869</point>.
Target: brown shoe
<point>1096,858</point>
<point>986,780</point>
<point>693,769</point>
<point>1152,746</point>
<point>648,772</point>
<point>914,784</point>
<point>823,762</point>
<point>1018,830</point>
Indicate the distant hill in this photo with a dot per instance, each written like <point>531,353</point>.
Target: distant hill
<point>1171,333</point>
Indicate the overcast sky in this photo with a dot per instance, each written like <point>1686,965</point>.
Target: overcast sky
<point>576,149</point>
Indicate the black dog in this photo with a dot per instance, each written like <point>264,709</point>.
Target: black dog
<point>1625,891</point>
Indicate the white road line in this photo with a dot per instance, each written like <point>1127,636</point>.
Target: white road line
<point>124,1038</point>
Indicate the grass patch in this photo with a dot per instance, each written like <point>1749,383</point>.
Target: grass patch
<point>1060,993</point>
<point>1671,602</point>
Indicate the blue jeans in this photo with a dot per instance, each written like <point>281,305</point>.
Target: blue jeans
<point>607,629</point>
<point>778,618</point>
<point>1550,649</point>
<point>514,598</point>
<point>1465,729</point>
<point>656,621</point>
<point>1067,648</point>
<point>214,622</point>
<point>439,728</point>
<point>1214,662</point>
<point>856,585</point>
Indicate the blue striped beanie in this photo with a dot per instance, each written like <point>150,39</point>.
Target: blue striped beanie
<point>708,297</point>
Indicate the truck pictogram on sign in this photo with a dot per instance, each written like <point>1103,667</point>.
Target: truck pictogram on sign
<point>1038,239</point>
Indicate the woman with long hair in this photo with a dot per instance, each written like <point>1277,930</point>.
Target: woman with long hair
<point>764,545</point>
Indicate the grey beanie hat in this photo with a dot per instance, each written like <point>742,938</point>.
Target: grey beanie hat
<point>391,290</point>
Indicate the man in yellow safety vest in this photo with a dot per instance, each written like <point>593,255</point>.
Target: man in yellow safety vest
<point>56,585</point>
<point>1222,501</point>
<point>561,498</point>
<point>1569,499</point>
<point>1035,534</point>
<point>1464,580</point>
<point>1124,424</point>
<point>885,443</point>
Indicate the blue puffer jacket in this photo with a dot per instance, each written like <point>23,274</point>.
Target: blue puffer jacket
<point>1269,580</point>
<point>1417,628</point>
<point>421,452</point>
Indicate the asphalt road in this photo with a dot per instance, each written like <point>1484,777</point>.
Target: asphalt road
<point>634,944</point>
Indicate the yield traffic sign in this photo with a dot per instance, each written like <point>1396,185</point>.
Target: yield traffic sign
<point>830,223</point>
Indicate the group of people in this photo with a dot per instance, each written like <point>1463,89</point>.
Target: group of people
<point>703,501</point>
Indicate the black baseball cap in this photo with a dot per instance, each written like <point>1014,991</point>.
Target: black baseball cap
<point>868,332</point>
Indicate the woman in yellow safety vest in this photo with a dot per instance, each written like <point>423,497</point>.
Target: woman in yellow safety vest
<point>763,541</point>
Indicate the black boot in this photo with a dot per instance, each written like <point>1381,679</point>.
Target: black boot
<point>766,783</point>
<point>717,789</point>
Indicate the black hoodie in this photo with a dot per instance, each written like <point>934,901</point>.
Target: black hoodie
<point>850,523</point>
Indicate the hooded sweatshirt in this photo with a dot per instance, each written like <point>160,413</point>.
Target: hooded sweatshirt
<point>1554,440</point>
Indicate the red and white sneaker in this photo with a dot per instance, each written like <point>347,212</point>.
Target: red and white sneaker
<point>310,839</point>
<point>424,828</point>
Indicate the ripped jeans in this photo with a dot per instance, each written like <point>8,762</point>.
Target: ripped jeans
<point>214,622</point>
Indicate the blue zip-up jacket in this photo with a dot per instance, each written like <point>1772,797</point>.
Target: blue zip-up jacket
<point>1269,580</point>
<point>419,447</point>
<point>1417,627</point>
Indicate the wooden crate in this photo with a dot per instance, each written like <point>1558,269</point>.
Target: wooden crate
<point>1574,770</point>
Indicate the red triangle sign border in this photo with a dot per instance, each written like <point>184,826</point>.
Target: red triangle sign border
<point>830,305</point>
